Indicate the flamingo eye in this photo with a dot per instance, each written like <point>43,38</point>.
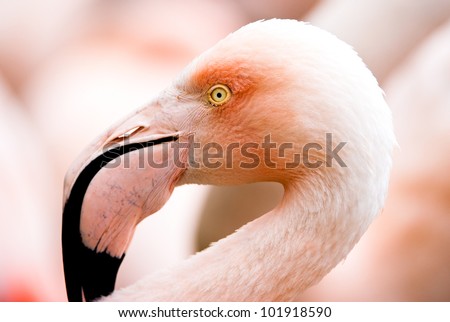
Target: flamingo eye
<point>219,94</point>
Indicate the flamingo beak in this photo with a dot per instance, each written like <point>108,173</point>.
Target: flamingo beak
<point>126,175</point>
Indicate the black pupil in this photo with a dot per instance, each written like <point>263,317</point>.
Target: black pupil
<point>219,95</point>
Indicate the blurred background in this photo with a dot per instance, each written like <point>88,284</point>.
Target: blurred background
<point>68,69</point>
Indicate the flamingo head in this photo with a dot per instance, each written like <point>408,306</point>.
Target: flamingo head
<point>222,121</point>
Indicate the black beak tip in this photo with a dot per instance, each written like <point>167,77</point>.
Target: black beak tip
<point>99,273</point>
<point>89,275</point>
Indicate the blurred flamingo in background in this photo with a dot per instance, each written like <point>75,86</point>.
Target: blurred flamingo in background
<point>25,197</point>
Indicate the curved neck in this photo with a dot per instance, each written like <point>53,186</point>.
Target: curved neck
<point>273,258</point>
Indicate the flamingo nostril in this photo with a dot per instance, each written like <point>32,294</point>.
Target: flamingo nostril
<point>124,136</point>
<point>130,132</point>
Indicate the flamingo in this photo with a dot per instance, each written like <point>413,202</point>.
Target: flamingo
<point>282,79</point>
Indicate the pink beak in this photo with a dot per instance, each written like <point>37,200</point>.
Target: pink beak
<point>108,191</point>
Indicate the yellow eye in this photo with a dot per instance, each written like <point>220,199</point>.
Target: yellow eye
<point>219,94</point>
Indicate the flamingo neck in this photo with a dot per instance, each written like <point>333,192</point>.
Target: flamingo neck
<point>273,258</point>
